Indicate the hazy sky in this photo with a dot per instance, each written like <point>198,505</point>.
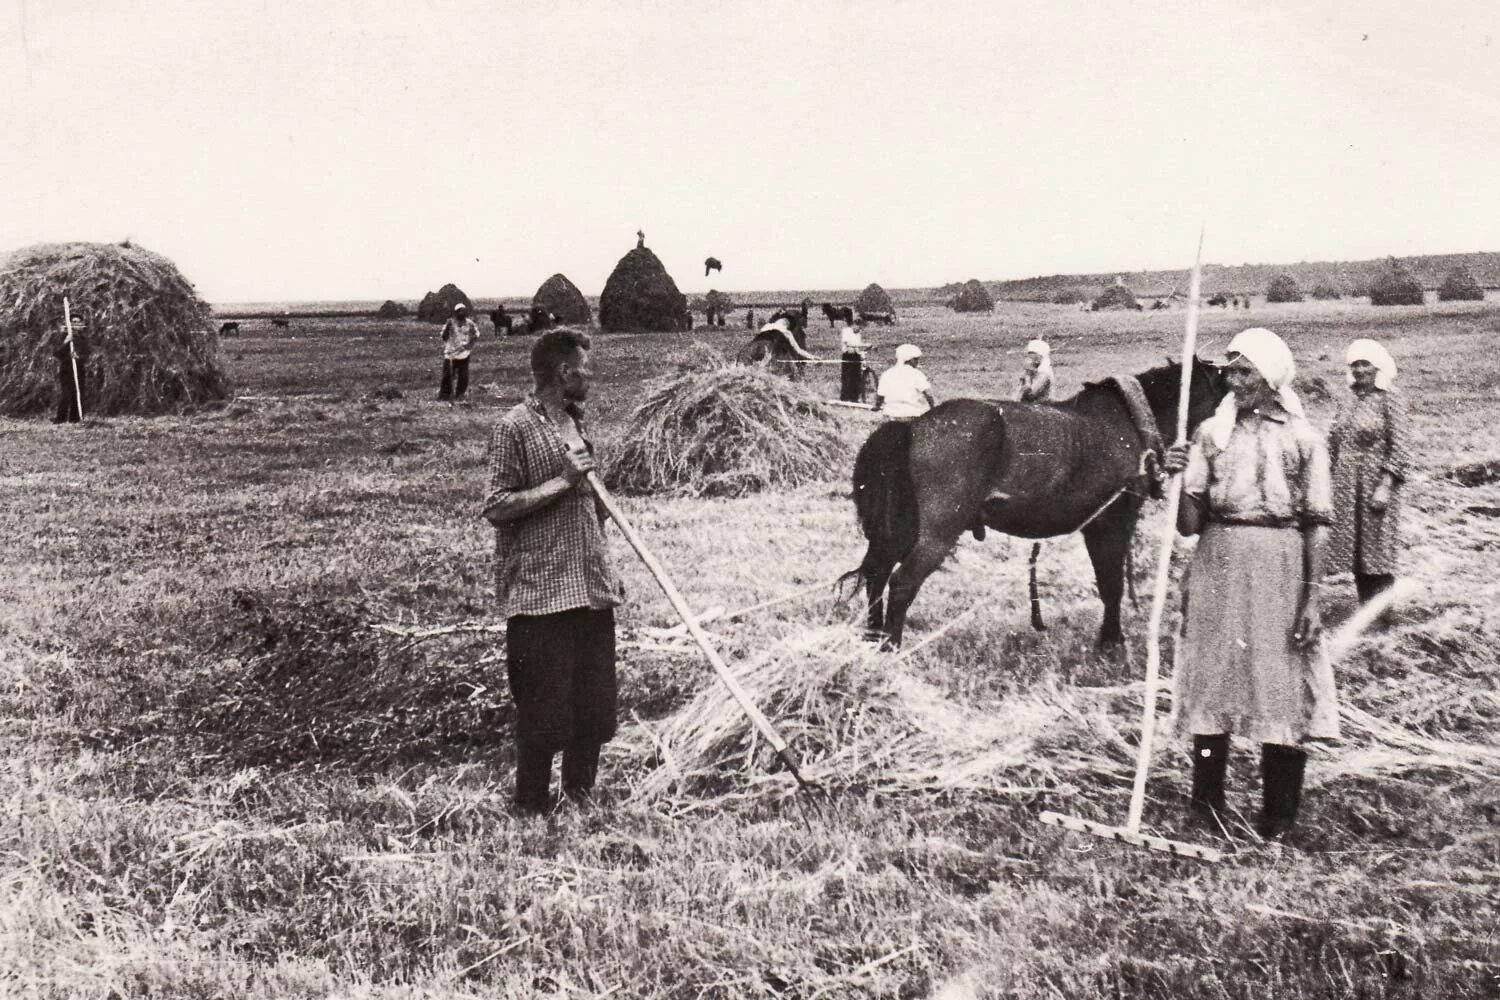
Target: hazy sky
<point>326,150</point>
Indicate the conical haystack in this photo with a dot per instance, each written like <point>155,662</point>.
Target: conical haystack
<point>561,298</point>
<point>152,342</point>
<point>973,297</point>
<point>391,309</point>
<point>641,295</point>
<point>1116,297</point>
<point>437,306</point>
<point>874,300</point>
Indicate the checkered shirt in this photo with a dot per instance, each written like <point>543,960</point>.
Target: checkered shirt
<point>555,558</point>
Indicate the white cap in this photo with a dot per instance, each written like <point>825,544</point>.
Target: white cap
<point>907,352</point>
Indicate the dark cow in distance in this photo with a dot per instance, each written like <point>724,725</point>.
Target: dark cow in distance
<point>836,313</point>
<point>230,329</point>
<point>502,320</point>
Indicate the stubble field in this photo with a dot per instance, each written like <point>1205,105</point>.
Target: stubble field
<point>220,781</point>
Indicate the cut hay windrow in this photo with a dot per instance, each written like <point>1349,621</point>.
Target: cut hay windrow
<point>726,431</point>
<point>153,344</point>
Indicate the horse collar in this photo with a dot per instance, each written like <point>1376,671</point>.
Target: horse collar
<point>1153,448</point>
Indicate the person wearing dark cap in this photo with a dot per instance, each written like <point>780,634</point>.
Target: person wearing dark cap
<point>459,334</point>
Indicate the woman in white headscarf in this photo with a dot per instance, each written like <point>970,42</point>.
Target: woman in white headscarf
<point>1368,444</point>
<point>1256,491</point>
<point>1036,380</point>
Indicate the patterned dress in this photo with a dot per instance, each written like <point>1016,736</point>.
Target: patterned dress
<point>1369,438</point>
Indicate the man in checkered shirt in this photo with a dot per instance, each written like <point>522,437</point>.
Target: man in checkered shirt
<point>553,576</point>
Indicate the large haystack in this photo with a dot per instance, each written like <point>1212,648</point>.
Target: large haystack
<point>1116,296</point>
<point>561,298</point>
<point>727,431</point>
<point>391,309</point>
<point>152,340</point>
<point>1459,285</point>
<point>973,297</point>
<point>437,306</point>
<point>874,301</point>
<point>641,295</point>
<point>1396,286</point>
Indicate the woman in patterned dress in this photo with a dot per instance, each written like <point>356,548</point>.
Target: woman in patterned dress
<point>1368,444</point>
<point>1251,663</point>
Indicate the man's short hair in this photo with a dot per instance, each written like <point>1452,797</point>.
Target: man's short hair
<point>555,348</point>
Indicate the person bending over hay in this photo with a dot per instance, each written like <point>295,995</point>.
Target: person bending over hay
<point>154,346</point>
<point>727,431</point>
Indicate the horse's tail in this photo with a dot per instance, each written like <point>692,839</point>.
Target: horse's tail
<point>885,499</point>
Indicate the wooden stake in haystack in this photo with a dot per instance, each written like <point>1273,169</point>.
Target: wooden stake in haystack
<point>73,356</point>
<point>1130,833</point>
<point>754,714</point>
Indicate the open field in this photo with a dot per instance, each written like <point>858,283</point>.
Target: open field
<point>220,782</point>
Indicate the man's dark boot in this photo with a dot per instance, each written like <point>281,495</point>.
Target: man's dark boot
<point>533,778</point>
<point>1281,771</point>
<point>580,766</point>
<point>1210,758</point>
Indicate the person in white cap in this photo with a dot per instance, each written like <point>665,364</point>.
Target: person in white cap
<point>1036,380</point>
<point>903,391</point>
<point>1256,490</point>
<point>459,334</point>
<point>852,365</point>
<point>1368,444</point>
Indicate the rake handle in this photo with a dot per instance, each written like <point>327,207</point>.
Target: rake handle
<point>740,695</point>
<point>73,356</point>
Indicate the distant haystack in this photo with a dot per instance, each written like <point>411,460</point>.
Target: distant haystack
<point>874,301</point>
<point>391,309</point>
<point>1459,285</point>
<point>641,295</point>
<point>1326,290</point>
<point>1396,286</point>
<point>152,343</point>
<point>437,306</point>
<point>1116,296</point>
<point>561,298</point>
<point>1283,288</point>
<point>1069,297</point>
<point>973,297</point>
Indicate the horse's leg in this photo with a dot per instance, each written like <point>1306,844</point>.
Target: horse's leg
<point>875,581</point>
<point>1107,540</point>
<point>925,557</point>
<point>1031,589</point>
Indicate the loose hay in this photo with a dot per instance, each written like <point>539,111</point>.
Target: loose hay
<point>153,340</point>
<point>726,431</point>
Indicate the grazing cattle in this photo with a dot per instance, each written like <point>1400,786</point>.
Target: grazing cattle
<point>881,318</point>
<point>712,264</point>
<point>229,329</point>
<point>503,320</point>
<point>281,324</point>
<point>836,313</point>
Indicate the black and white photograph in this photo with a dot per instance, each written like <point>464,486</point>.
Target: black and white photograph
<point>793,499</point>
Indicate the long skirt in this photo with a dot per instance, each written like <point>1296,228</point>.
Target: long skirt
<point>1238,670</point>
<point>851,377</point>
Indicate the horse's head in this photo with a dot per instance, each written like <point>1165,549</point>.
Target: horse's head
<point>1163,384</point>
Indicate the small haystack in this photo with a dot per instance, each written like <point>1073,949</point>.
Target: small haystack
<point>727,431</point>
<point>1116,296</point>
<point>874,301</point>
<point>391,309</point>
<point>561,298</point>
<point>1396,286</point>
<point>437,306</point>
<point>973,297</point>
<point>153,345</point>
<point>1459,285</point>
<point>641,295</point>
<point>1283,288</point>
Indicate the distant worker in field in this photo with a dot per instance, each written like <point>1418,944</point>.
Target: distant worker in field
<point>852,365</point>
<point>459,334</point>
<point>1036,380</point>
<point>72,351</point>
<point>553,577</point>
<point>903,391</point>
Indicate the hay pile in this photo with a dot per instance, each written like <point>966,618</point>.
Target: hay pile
<point>437,306</point>
<point>1116,296</point>
<point>874,300</point>
<point>1459,285</point>
<point>561,298</point>
<point>153,340</point>
<point>391,309</point>
<point>1396,286</point>
<point>641,295</point>
<point>973,297</point>
<point>1326,290</point>
<point>1283,288</point>
<point>726,431</point>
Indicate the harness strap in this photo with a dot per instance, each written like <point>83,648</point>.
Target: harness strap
<point>1154,449</point>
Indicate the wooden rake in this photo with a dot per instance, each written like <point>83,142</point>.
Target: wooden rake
<point>691,622</point>
<point>1131,833</point>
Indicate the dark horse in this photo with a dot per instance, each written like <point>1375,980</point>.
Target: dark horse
<point>836,313</point>
<point>1034,470</point>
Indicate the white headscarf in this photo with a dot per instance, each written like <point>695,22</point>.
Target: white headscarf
<point>1369,350</point>
<point>1273,359</point>
<point>1041,350</point>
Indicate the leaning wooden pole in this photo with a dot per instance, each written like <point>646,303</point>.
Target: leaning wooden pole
<point>1131,832</point>
<point>73,357</point>
<point>740,695</point>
